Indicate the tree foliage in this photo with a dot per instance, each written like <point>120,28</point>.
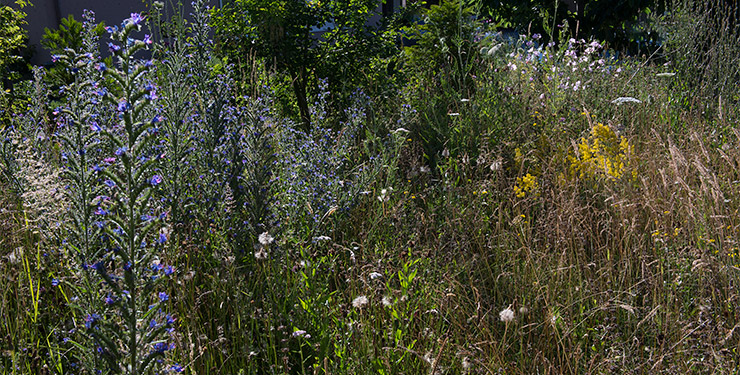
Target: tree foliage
<point>12,35</point>
<point>305,39</point>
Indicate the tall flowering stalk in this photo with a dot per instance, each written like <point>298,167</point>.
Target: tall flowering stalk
<point>79,133</point>
<point>130,334</point>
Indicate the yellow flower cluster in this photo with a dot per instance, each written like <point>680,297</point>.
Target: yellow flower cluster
<point>604,154</point>
<point>525,185</point>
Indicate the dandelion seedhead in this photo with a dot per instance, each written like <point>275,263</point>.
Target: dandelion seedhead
<point>506,315</point>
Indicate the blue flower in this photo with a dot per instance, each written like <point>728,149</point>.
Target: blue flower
<point>95,127</point>
<point>113,48</point>
<point>136,18</point>
<point>162,238</point>
<point>110,183</point>
<point>163,297</point>
<point>177,368</point>
<point>156,180</point>
<point>90,320</point>
<point>123,105</point>
<point>111,29</point>
<point>54,282</point>
<point>160,347</point>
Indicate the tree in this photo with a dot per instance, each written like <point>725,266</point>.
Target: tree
<point>12,36</point>
<point>301,38</point>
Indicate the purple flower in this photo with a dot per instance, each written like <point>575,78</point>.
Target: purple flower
<point>160,347</point>
<point>152,324</point>
<point>95,127</point>
<point>169,270</point>
<point>54,282</point>
<point>162,238</point>
<point>136,18</point>
<point>113,48</point>
<point>101,68</point>
<point>163,296</point>
<point>147,39</point>
<point>123,105</point>
<point>110,160</point>
<point>177,368</point>
<point>90,320</point>
<point>121,151</point>
<point>110,183</point>
<point>156,180</point>
<point>100,211</point>
<point>109,300</point>
<point>100,267</point>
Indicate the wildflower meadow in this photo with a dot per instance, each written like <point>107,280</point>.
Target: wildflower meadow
<point>453,189</point>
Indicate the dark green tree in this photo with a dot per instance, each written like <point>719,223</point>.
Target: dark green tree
<point>304,39</point>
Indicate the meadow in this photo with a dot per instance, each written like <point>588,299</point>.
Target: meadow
<point>476,204</point>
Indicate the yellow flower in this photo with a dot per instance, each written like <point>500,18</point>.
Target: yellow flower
<point>604,154</point>
<point>524,185</point>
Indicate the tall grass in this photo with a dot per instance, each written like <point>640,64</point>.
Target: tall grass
<point>560,212</point>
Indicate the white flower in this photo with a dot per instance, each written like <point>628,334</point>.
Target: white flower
<point>301,333</point>
<point>386,301</point>
<point>424,169</point>
<point>400,130</point>
<point>359,302</point>
<point>496,165</point>
<point>375,275</point>
<point>383,197</point>
<point>321,238</point>
<point>261,253</point>
<point>625,99</point>
<point>265,238</point>
<point>506,315</point>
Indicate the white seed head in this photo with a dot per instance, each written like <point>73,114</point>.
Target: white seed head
<point>506,315</point>
<point>265,238</point>
<point>359,302</point>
